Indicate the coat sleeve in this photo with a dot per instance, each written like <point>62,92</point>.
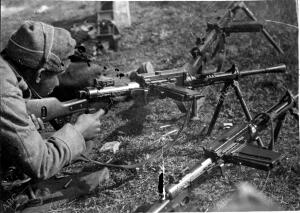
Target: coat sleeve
<point>39,158</point>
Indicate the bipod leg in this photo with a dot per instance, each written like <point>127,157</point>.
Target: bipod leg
<point>249,13</point>
<point>218,108</point>
<point>238,93</point>
<point>246,110</point>
<point>275,131</point>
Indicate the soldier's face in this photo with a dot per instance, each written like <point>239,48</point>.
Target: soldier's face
<point>47,83</point>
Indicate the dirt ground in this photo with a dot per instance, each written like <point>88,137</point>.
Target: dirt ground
<point>163,33</point>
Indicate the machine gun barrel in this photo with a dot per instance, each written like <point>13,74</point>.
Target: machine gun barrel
<point>243,27</point>
<point>173,190</point>
<point>232,74</point>
<point>276,69</point>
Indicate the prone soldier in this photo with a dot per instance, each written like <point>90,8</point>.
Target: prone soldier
<point>35,55</point>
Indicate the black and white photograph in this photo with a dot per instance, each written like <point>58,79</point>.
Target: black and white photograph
<point>149,106</point>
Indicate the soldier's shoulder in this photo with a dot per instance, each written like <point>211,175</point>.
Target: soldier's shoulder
<point>4,66</point>
<point>6,73</point>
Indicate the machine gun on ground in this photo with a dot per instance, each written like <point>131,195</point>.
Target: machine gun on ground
<point>180,86</point>
<point>235,146</point>
<point>216,34</point>
<point>194,75</point>
<point>176,85</point>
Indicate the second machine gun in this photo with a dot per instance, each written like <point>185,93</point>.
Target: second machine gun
<point>216,33</point>
<point>235,146</point>
<point>181,86</point>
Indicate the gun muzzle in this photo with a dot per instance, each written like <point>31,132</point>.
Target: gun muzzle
<point>173,190</point>
<point>186,181</point>
<point>276,69</point>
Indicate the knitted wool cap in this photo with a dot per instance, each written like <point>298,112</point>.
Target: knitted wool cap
<point>39,45</point>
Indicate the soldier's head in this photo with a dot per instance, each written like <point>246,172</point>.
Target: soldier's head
<point>41,52</point>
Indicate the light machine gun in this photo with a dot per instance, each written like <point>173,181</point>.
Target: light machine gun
<point>237,147</point>
<point>180,86</point>
<point>173,85</point>
<point>216,34</point>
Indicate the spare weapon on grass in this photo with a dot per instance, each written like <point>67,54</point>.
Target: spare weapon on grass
<point>235,146</point>
<point>216,33</point>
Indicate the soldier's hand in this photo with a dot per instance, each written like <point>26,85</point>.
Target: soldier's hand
<point>89,124</point>
<point>39,124</point>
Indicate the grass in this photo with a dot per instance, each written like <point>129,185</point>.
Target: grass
<point>163,33</point>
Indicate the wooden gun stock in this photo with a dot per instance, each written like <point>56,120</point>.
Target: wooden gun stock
<point>50,108</point>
